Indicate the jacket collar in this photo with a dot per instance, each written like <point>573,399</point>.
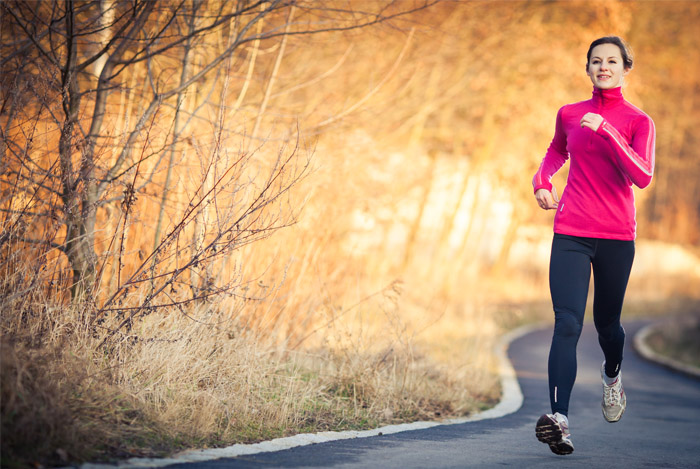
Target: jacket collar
<point>607,98</point>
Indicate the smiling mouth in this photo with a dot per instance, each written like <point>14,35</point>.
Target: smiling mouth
<point>603,77</point>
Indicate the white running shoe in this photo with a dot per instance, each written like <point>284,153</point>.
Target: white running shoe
<point>553,429</point>
<point>614,398</point>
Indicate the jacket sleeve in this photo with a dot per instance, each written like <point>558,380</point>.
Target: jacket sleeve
<point>636,158</point>
<point>554,159</point>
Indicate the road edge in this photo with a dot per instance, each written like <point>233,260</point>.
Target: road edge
<point>511,401</point>
<point>646,352</point>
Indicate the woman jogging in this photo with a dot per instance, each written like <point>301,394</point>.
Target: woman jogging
<point>610,145</point>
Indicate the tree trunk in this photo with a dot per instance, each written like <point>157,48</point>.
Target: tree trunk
<point>78,191</point>
<point>81,255</point>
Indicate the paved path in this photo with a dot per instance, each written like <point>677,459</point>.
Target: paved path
<point>660,429</point>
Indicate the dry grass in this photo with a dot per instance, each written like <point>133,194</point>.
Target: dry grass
<point>678,339</point>
<point>358,359</point>
<point>178,382</point>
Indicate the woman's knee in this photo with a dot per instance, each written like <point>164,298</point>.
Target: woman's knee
<point>610,332</point>
<point>566,324</point>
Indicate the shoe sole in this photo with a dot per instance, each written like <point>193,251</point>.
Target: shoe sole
<point>614,419</point>
<point>548,431</point>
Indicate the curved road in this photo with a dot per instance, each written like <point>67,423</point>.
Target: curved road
<point>660,428</point>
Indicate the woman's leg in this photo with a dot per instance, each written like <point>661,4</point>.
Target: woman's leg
<point>612,264</point>
<point>569,275</point>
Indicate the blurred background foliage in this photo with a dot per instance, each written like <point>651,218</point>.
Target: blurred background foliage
<point>401,155</point>
<point>391,157</point>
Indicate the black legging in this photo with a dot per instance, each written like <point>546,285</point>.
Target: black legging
<point>569,274</point>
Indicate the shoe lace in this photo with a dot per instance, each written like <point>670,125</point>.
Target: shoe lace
<point>611,395</point>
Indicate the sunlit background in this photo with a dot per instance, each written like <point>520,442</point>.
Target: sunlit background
<point>399,219</point>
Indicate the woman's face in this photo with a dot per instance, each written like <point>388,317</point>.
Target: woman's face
<point>606,68</point>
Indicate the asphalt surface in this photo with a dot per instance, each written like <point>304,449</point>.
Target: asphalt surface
<point>660,428</point>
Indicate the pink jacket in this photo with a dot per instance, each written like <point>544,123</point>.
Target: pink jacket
<point>598,201</point>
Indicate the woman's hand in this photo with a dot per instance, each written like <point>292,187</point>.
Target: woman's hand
<point>592,121</point>
<point>547,200</point>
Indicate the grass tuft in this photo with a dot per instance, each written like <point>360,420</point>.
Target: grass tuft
<point>188,383</point>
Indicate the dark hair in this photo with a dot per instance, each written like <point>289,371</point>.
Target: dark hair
<point>627,59</point>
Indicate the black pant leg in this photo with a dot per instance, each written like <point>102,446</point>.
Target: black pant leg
<point>569,276</point>
<point>612,264</point>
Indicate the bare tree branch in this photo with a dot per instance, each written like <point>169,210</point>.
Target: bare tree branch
<point>63,73</point>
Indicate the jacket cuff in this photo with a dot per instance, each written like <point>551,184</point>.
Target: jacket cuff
<point>601,128</point>
<point>543,185</point>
